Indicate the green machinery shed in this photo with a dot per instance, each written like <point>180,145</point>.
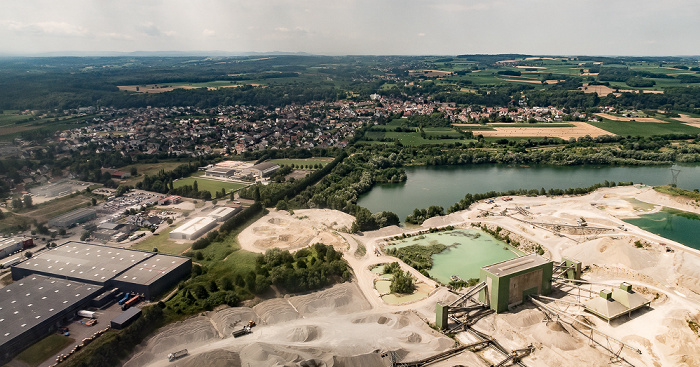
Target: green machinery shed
<point>510,282</point>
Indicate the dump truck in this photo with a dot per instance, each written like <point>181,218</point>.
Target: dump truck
<point>177,355</point>
<point>245,331</point>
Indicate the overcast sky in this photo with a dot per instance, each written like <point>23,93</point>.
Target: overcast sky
<point>389,27</point>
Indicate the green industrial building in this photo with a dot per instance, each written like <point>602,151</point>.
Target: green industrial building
<point>510,282</point>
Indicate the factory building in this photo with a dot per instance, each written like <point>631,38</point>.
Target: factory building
<point>143,272</point>
<point>35,306</point>
<point>80,261</point>
<point>193,228</point>
<point>510,282</point>
<point>223,213</point>
<point>153,276</point>
<point>51,286</point>
<point>72,218</point>
<point>264,169</point>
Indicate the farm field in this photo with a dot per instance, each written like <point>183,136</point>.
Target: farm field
<point>45,211</point>
<point>637,128</point>
<point>322,161</point>
<point>580,129</point>
<point>212,186</point>
<point>412,138</point>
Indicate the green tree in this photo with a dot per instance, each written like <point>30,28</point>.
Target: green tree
<point>133,172</point>
<point>195,187</point>
<point>402,282</point>
<point>27,201</point>
<point>17,203</point>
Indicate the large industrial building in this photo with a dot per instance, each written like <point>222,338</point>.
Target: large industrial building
<point>51,286</point>
<point>264,169</point>
<point>510,282</point>
<point>72,218</point>
<point>617,302</point>
<point>228,169</point>
<point>193,228</point>
<point>35,306</point>
<point>223,213</point>
<point>146,273</point>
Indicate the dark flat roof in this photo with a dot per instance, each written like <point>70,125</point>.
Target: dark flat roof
<point>152,269</point>
<point>127,315</point>
<point>30,301</point>
<point>85,261</point>
<point>513,266</point>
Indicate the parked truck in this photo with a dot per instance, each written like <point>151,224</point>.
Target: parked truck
<point>125,298</point>
<point>177,355</point>
<point>245,331</point>
<point>87,314</point>
<point>131,302</point>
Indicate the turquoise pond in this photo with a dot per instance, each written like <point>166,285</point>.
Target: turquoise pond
<point>676,225</point>
<point>468,250</point>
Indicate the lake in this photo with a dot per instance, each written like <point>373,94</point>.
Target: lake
<point>446,185</point>
<point>676,225</point>
<point>468,250</point>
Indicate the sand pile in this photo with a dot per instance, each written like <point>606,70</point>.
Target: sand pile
<point>216,358</point>
<point>608,251</point>
<point>276,310</point>
<point>229,319</point>
<point>340,299</point>
<point>688,270</point>
<point>303,334</point>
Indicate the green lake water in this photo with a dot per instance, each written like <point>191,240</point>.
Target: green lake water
<point>472,250</point>
<point>673,224</point>
<point>446,185</point>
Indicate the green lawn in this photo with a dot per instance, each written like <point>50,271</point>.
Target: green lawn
<point>636,128</point>
<point>322,161</point>
<point>212,186</point>
<point>163,242</point>
<point>148,169</point>
<point>44,349</point>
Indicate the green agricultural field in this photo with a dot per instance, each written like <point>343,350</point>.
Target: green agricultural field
<point>476,127</point>
<point>635,128</point>
<point>212,186</point>
<point>11,117</point>
<point>416,139</point>
<point>322,161</point>
<point>43,350</point>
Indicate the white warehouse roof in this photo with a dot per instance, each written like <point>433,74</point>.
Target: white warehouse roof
<point>193,225</point>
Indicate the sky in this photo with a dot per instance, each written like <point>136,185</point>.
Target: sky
<point>353,27</point>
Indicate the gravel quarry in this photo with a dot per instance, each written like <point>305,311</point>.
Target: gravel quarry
<point>350,325</point>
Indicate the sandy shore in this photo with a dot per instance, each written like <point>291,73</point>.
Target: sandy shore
<point>350,325</point>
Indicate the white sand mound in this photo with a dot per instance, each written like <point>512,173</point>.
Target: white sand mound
<point>340,299</point>
<point>303,334</point>
<point>362,360</point>
<point>276,310</point>
<point>611,252</point>
<point>559,338</point>
<point>197,330</point>
<point>263,354</point>
<point>216,358</point>
<point>524,318</point>
<point>688,271</point>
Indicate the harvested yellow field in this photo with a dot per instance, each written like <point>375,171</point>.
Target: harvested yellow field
<point>639,119</point>
<point>604,90</point>
<point>690,121</point>
<point>580,129</point>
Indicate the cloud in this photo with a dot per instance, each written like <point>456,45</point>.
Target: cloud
<point>46,28</point>
<point>421,34</point>
<point>209,33</point>
<point>153,30</point>
<point>117,36</point>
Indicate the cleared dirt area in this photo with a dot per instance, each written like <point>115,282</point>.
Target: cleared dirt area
<point>620,118</point>
<point>691,121</point>
<point>294,231</point>
<point>579,130</point>
<point>604,90</point>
